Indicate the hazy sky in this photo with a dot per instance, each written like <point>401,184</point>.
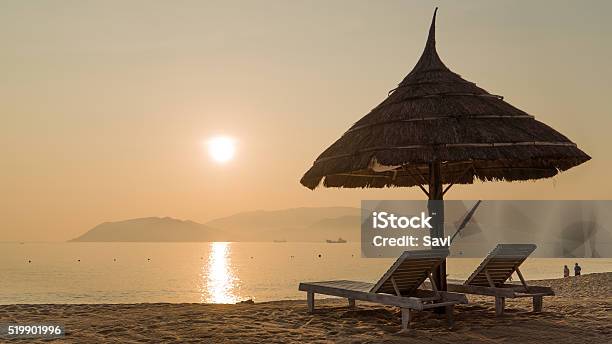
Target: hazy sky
<point>105,105</point>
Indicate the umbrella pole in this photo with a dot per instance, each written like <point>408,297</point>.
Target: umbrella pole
<point>436,209</point>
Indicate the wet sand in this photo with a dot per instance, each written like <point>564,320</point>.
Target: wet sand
<point>581,312</point>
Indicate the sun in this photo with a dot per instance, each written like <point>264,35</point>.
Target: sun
<point>222,148</point>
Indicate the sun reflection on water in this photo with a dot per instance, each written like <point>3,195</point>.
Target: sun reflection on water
<point>221,283</point>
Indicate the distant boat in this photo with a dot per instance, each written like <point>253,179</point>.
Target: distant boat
<point>280,240</point>
<point>339,241</point>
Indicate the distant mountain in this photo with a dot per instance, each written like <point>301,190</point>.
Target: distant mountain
<point>297,224</point>
<point>285,218</point>
<point>149,229</point>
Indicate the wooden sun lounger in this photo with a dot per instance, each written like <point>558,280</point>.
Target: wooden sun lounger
<point>397,287</point>
<point>490,277</point>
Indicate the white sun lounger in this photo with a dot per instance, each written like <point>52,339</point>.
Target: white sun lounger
<point>399,286</point>
<point>490,277</point>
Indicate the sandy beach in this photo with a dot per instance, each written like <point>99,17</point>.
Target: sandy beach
<point>581,312</point>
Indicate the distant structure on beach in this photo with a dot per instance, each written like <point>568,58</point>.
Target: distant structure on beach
<point>339,241</point>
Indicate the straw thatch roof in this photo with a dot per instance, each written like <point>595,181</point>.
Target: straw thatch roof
<point>435,116</point>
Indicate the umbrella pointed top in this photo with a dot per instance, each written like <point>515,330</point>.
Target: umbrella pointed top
<point>431,38</point>
<point>430,60</point>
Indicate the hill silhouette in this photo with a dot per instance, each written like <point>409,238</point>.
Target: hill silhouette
<point>151,229</point>
<point>296,224</point>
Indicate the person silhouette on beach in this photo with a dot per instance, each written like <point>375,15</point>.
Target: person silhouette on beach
<point>566,271</point>
<point>577,270</point>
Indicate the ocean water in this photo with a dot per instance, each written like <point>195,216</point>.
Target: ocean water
<point>203,272</point>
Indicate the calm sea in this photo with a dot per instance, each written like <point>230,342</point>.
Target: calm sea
<point>201,272</point>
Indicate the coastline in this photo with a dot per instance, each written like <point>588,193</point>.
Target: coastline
<point>581,311</point>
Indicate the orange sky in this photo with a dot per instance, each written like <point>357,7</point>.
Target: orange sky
<point>105,105</point>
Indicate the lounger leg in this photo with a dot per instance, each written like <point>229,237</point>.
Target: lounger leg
<point>351,303</point>
<point>537,303</point>
<point>449,315</point>
<point>500,303</point>
<point>405,318</point>
<point>310,301</point>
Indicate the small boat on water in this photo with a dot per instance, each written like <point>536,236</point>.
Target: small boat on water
<point>339,241</point>
<point>280,240</point>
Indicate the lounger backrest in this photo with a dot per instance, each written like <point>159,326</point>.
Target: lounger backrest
<point>409,271</point>
<point>500,264</point>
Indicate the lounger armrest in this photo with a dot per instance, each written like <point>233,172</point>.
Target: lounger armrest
<point>507,290</point>
<point>386,299</point>
<point>450,296</point>
<point>480,290</point>
<point>531,289</point>
<point>536,289</point>
<point>440,304</point>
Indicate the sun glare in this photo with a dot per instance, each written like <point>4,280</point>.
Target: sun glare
<point>222,148</point>
<point>221,284</point>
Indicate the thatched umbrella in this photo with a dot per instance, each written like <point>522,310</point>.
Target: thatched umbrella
<point>436,128</point>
